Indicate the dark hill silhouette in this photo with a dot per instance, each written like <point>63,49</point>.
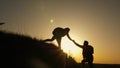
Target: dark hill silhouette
<point>19,51</point>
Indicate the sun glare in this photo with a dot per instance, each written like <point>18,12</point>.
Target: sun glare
<point>70,48</point>
<point>51,20</point>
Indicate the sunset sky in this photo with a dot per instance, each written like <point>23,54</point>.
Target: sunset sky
<point>97,21</point>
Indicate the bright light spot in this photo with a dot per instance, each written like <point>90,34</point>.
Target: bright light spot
<point>70,48</point>
<point>51,20</point>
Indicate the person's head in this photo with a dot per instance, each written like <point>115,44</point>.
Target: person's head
<point>86,42</point>
<point>67,30</point>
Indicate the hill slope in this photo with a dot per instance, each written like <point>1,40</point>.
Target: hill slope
<point>21,51</point>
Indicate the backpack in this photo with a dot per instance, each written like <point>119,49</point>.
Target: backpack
<point>90,49</point>
<point>58,32</point>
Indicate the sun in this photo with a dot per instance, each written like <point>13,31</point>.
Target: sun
<point>70,48</point>
<point>51,20</point>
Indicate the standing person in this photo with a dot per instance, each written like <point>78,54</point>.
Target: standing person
<point>87,53</point>
<point>58,33</point>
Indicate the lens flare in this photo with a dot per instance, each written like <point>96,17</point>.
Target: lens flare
<point>51,20</point>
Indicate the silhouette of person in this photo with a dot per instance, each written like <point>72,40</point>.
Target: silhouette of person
<point>58,33</point>
<point>87,53</point>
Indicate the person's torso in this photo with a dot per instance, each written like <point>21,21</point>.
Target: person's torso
<point>87,51</point>
<point>59,32</point>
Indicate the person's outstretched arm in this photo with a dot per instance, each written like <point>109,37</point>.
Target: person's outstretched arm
<point>77,44</point>
<point>69,37</point>
<point>53,38</point>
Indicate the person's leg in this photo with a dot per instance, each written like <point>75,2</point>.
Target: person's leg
<point>65,56</point>
<point>90,64</point>
<point>59,42</point>
<point>83,63</point>
<point>90,61</point>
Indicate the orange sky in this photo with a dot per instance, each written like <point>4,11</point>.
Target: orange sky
<point>95,21</point>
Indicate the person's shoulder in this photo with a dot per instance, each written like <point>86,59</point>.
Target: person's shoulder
<point>90,46</point>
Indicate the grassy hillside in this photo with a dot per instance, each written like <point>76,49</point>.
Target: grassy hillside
<point>21,51</point>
